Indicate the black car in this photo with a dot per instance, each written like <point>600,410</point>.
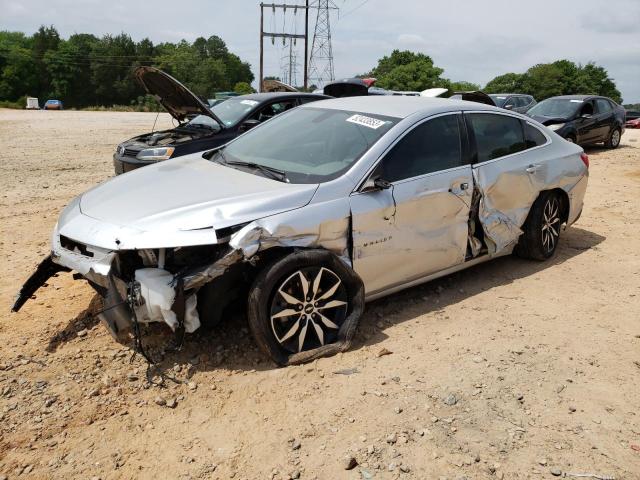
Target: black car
<point>632,114</point>
<point>516,102</point>
<point>201,127</point>
<point>583,119</point>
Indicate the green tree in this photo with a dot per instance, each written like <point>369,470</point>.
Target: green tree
<point>463,86</point>
<point>243,88</point>
<point>405,70</point>
<point>507,83</point>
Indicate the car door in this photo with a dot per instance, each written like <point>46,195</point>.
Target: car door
<point>605,119</point>
<point>418,225</point>
<point>586,123</point>
<point>508,171</point>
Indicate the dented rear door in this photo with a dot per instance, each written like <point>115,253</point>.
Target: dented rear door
<point>508,175</point>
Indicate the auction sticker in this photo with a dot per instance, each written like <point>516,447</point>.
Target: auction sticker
<point>366,121</point>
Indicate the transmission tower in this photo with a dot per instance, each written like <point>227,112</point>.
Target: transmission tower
<point>289,64</point>
<point>321,60</point>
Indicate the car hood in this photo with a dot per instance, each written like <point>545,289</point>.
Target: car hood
<point>187,194</point>
<point>549,120</point>
<point>177,99</point>
<point>475,96</point>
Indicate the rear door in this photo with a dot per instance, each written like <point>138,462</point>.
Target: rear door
<point>419,225</point>
<point>508,172</point>
<point>605,118</point>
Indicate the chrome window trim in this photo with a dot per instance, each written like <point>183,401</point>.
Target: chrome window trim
<point>519,117</point>
<point>410,128</point>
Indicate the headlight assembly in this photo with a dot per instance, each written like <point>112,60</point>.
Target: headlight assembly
<point>161,153</point>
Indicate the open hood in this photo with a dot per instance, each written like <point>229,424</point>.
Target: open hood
<point>277,86</point>
<point>477,96</point>
<point>347,87</point>
<point>177,99</point>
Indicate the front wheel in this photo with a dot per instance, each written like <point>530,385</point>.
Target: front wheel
<point>541,230</point>
<point>614,139</point>
<point>304,306</point>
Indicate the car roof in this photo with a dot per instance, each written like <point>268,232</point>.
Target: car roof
<point>507,94</point>
<point>399,106</point>
<point>577,97</point>
<point>262,97</point>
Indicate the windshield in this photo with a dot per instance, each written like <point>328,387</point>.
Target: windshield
<point>556,108</point>
<point>232,110</point>
<point>310,145</point>
<point>203,121</point>
<point>499,100</point>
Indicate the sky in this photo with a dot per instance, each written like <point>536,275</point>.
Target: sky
<point>471,40</point>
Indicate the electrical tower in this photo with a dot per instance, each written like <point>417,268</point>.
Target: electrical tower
<point>321,61</point>
<point>289,64</point>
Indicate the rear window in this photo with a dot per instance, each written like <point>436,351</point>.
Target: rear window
<point>496,135</point>
<point>533,136</point>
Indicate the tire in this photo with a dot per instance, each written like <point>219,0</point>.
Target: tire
<point>613,141</point>
<point>541,230</point>
<point>292,329</point>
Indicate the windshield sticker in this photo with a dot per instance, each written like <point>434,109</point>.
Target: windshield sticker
<point>366,121</point>
<point>253,103</point>
<point>576,101</point>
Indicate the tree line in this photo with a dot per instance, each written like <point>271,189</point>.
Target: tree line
<point>85,70</point>
<point>406,70</point>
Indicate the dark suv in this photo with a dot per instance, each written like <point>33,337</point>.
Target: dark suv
<point>200,126</point>
<point>583,119</point>
<point>515,102</point>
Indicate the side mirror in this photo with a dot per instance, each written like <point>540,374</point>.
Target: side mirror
<point>248,124</point>
<point>375,185</point>
<point>586,115</point>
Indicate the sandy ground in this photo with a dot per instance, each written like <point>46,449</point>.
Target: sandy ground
<point>511,369</point>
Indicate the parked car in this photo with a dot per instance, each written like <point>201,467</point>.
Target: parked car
<point>631,114</point>
<point>635,123</point>
<point>473,96</point>
<point>516,102</point>
<point>200,126</point>
<point>309,215</point>
<point>582,119</point>
<point>353,87</point>
<point>53,105</point>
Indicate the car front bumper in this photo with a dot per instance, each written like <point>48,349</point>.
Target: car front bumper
<point>122,164</point>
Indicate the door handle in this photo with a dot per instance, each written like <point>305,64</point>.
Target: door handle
<point>464,186</point>
<point>532,168</point>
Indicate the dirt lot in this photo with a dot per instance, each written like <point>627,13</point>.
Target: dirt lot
<point>511,370</point>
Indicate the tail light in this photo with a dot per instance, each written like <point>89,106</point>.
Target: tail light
<point>585,159</point>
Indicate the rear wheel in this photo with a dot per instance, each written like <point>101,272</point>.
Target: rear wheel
<point>542,228</point>
<point>304,306</point>
<point>614,139</point>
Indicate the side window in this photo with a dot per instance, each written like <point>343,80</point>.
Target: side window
<point>523,101</point>
<point>430,147</point>
<point>496,135</point>
<point>304,100</point>
<point>587,108</point>
<point>533,136</point>
<point>603,105</point>
<point>273,109</point>
<point>511,102</point>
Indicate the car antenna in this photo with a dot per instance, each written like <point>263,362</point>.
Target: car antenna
<point>154,122</point>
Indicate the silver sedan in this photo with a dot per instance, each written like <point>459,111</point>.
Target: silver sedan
<point>306,217</point>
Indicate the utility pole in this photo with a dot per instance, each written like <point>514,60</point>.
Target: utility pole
<point>290,36</point>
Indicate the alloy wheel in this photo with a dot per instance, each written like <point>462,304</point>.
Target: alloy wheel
<point>550,224</point>
<point>615,138</point>
<point>308,309</point>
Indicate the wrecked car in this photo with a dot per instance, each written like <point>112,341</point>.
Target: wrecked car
<point>358,198</point>
<point>200,126</point>
<point>582,119</point>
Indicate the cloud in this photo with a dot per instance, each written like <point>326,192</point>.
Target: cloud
<point>410,39</point>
